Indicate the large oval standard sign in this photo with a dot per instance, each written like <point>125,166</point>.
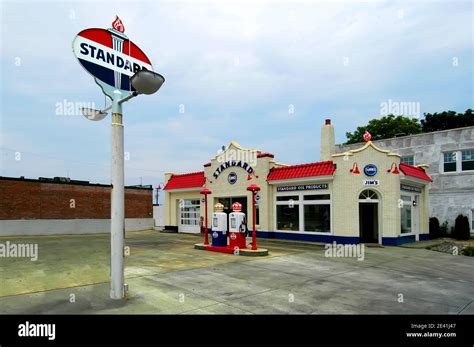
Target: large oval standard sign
<point>110,57</point>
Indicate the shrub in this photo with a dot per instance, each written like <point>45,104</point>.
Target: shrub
<point>469,251</point>
<point>461,228</point>
<point>434,228</point>
<point>443,229</point>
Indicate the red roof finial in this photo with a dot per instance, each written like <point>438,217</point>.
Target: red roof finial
<point>118,25</point>
<point>367,136</point>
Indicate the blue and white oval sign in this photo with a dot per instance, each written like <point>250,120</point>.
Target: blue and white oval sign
<point>232,178</point>
<point>370,170</point>
<point>110,57</point>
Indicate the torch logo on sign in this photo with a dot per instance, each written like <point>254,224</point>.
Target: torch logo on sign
<point>118,25</point>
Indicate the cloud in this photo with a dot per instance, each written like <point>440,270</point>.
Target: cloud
<point>235,68</point>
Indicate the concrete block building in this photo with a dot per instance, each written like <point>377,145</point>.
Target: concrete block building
<point>360,195</point>
<point>450,156</point>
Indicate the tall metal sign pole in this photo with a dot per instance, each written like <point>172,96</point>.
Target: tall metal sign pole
<point>122,71</point>
<point>117,225</point>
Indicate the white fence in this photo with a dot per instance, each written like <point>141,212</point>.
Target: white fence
<point>21,227</point>
<point>159,216</point>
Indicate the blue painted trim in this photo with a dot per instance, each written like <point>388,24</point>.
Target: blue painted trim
<point>397,241</point>
<point>388,241</point>
<point>308,237</point>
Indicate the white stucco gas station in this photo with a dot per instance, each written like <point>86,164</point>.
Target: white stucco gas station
<point>364,195</point>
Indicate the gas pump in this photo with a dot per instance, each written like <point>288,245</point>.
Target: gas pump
<point>219,226</point>
<point>237,227</point>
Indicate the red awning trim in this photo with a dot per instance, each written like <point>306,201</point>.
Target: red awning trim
<point>415,171</point>
<point>262,155</point>
<point>323,168</point>
<point>188,180</point>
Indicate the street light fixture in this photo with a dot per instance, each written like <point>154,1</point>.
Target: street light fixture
<point>144,82</point>
<point>147,82</point>
<point>93,114</point>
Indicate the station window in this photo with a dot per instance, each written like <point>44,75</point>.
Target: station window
<point>467,158</point>
<point>449,161</point>
<point>257,214</point>
<point>304,212</point>
<point>317,218</point>
<point>317,197</point>
<point>287,198</point>
<point>288,217</point>
<point>408,159</point>
<point>405,214</point>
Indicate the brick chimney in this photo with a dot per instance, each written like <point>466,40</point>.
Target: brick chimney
<point>328,144</point>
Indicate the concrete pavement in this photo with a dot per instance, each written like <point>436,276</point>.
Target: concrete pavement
<point>166,275</point>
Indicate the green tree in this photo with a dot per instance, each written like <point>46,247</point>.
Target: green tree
<point>447,120</point>
<point>385,127</point>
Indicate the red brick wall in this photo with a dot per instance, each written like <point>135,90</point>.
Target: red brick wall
<point>40,200</point>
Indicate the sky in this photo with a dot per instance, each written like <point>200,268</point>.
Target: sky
<point>263,73</point>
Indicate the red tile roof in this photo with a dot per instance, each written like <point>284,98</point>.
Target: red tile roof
<point>321,168</point>
<point>414,171</point>
<point>189,180</point>
<point>262,155</point>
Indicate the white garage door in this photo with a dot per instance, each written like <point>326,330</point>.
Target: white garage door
<point>189,216</point>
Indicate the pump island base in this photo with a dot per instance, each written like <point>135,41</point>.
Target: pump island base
<point>232,238</point>
<point>259,252</point>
